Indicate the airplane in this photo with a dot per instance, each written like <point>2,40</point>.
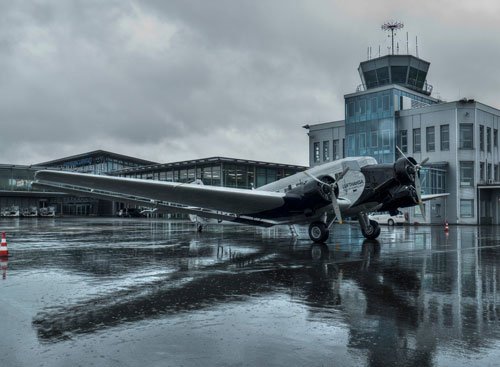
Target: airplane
<point>319,196</point>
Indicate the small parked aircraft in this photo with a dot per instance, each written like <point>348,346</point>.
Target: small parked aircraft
<point>349,187</point>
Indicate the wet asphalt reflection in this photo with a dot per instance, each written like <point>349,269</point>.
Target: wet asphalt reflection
<point>115,292</point>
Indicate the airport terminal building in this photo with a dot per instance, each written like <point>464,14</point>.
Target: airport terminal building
<point>393,107</point>
<point>17,198</point>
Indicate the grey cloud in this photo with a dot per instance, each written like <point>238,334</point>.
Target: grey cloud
<point>173,80</point>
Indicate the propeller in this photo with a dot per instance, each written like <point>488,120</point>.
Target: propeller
<point>418,186</point>
<point>333,185</point>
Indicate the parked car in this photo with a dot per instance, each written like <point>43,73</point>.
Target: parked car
<point>387,218</point>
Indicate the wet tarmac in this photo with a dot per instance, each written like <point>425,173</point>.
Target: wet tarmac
<point>125,292</point>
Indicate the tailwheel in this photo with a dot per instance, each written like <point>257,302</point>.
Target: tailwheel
<point>318,232</point>
<point>371,231</point>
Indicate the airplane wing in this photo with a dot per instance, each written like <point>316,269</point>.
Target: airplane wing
<point>168,194</point>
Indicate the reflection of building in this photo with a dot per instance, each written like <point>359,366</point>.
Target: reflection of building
<point>15,181</point>
<point>393,107</point>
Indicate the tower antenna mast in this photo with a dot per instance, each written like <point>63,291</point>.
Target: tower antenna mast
<point>392,26</point>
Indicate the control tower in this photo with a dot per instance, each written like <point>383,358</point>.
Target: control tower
<point>390,84</point>
<point>405,70</point>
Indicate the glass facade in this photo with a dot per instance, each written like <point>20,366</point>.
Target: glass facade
<point>14,178</point>
<point>433,180</point>
<point>228,174</point>
<point>370,122</point>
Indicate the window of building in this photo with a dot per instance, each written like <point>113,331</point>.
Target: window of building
<point>488,139</point>
<point>326,151</point>
<point>335,150</point>
<point>363,106</point>
<point>430,138</point>
<point>481,171</point>
<point>386,138</point>
<point>466,173</point>
<point>416,141</point>
<point>403,140</point>
<point>316,152</point>
<point>374,139</point>
<point>374,105</point>
<point>495,138</point>
<point>495,172</point>
<point>362,143</point>
<point>351,109</point>
<point>445,137</point>
<point>466,208</point>
<point>351,145</point>
<point>466,136</point>
<point>488,171</point>
<point>386,103</point>
<point>481,138</point>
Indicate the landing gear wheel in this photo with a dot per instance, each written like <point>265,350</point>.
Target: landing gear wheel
<point>318,232</point>
<point>372,231</point>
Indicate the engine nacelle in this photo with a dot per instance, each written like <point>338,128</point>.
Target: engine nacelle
<point>404,170</point>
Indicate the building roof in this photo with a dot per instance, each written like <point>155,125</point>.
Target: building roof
<point>96,153</point>
<point>203,161</point>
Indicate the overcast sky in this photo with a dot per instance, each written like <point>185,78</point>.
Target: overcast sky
<point>177,80</point>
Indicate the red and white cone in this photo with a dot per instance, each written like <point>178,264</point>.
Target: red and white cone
<point>446,228</point>
<point>4,252</point>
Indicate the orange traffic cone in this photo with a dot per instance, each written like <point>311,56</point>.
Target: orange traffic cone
<point>446,228</point>
<point>4,252</point>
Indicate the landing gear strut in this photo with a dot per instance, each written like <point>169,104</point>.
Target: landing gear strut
<point>318,232</point>
<point>369,228</point>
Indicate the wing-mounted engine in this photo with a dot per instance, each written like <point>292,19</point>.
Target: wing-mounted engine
<point>392,185</point>
<point>316,194</point>
<point>405,171</point>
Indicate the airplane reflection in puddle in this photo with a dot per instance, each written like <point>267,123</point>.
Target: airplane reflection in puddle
<point>386,298</point>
